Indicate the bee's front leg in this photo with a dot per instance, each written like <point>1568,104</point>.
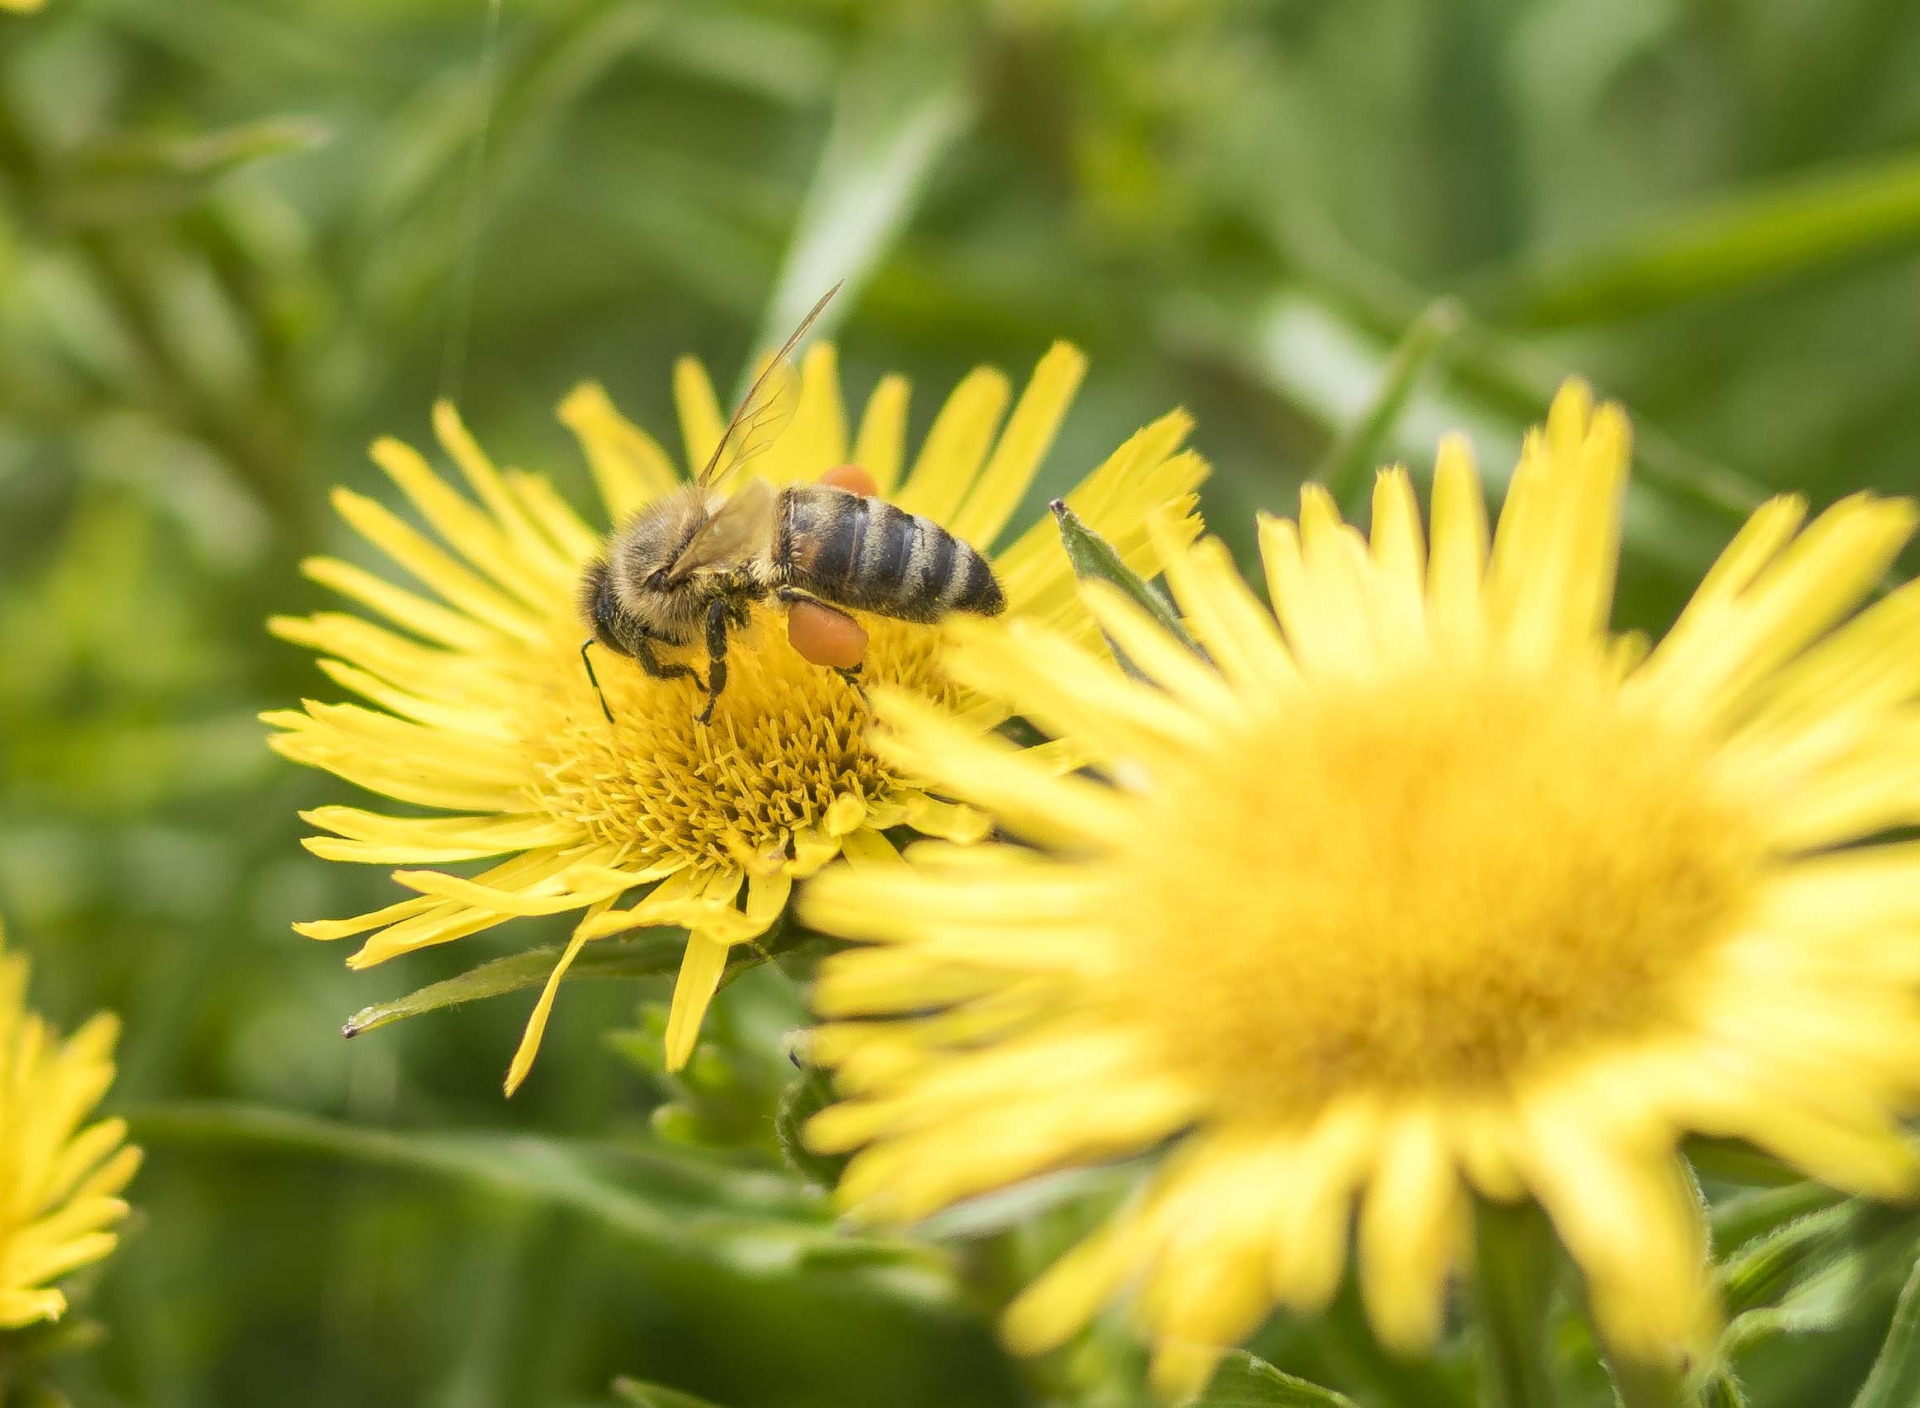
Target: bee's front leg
<point>718,614</point>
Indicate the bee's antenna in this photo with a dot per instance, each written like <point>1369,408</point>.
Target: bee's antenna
<point>594,679</point>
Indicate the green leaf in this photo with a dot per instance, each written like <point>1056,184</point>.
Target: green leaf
<point>758,54</point>
<point>1810,1275</point>
<point>653,953</point>
<point>637,1394</point>
<point>1739,1220</point>
<point>898,113</point>
<point>805,1096</point>
<point>1895,1380</point>
<point>1514,1291</point>
<point>1767,233</point>
<point>1094,559</point>
<point>1487,370</point>
<point>1242,1381</point>
<point>756,1225</point>
<point>1359,447</point>
<point>1735,1162</point>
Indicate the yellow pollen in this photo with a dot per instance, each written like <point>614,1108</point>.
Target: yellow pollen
<point>787,740</point>
<point>1451,881</point>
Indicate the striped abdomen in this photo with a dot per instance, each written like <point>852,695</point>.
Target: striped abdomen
<point>866,554</point>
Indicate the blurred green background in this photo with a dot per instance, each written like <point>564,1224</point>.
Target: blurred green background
<point>239,238</point>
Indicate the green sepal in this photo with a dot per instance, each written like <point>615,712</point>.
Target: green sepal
<point>1243,1381</point>
<point>1095,560</point>
<point>808,1093</point>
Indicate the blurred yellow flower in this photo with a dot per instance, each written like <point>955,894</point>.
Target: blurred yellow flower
<point>60,1184</point>
<point>481,709</point>
<point>21,6</point>
<point>1431,885</point>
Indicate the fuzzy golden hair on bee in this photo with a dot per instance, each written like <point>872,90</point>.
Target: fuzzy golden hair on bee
<point>691,566</point>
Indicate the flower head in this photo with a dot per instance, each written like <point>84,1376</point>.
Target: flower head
<point>478,706</point>
<point>60,1184</point>
<point>1427,884</point>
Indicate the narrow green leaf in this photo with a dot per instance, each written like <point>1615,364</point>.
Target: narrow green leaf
<point>1732,1161</point>
<point>756,1225</point>
<point>899,111</point>
<point>651,954</point>
<point>1722,1390</point>
<point>806,1095</point>
<point>1739,1220</point>
<point>1358,448</point>
<point>1094,559</point>
<point>1514,1291</point>
<point>759,54</point>
<point>208,155</point>
<point>1487,370</point>
<point>637,1394</point>
<point>1811,1275</point>
<point>1895,1380</point>
<point>1771,232</point>
<point>1242,1381</point>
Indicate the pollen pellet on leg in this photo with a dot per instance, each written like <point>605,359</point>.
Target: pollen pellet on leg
<point>853,479</point>
<point>826,637</point>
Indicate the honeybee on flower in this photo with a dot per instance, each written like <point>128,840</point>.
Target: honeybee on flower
<point>476,711</point>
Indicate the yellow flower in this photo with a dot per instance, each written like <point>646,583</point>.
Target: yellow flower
<point>481,709</point>
<point>1432,885</point>
<point>21,6</point>
<point>60,1184</point>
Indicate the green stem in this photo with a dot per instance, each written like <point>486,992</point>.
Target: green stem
<point>1514,1290</point>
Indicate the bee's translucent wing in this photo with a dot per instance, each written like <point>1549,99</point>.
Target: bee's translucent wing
<point>741,527</point>
<point>765,410</point>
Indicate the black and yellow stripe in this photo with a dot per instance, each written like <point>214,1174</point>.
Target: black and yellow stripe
<point>866,554</point>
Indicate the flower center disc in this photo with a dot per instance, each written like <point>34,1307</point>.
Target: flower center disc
<point>1428,884</point>
<point>788,737</point>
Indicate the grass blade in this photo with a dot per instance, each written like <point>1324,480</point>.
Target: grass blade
<point>757,1225</point>
<point>1895,1380</point>
<point>895,118</point>
<point>648,956</point>
<point>1768,233</point>
<point>1357,448</point>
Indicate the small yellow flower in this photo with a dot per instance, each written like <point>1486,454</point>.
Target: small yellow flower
<point>21,6</point>
<point>480,708</point>
<point>60,1184</point>
<point>1431,885</point>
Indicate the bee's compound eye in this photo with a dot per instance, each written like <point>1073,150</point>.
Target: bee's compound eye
<point>825,637</point>
<point>603,610</point>
<point>853,479</point>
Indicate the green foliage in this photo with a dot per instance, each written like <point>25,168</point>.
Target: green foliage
<point>239,241</point>
<point>1242,1381</point>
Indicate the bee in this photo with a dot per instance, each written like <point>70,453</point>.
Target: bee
<point>690,566</point>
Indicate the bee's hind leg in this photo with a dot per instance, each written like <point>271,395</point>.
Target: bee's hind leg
<point>790,596</point>
<point>717,616</point>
